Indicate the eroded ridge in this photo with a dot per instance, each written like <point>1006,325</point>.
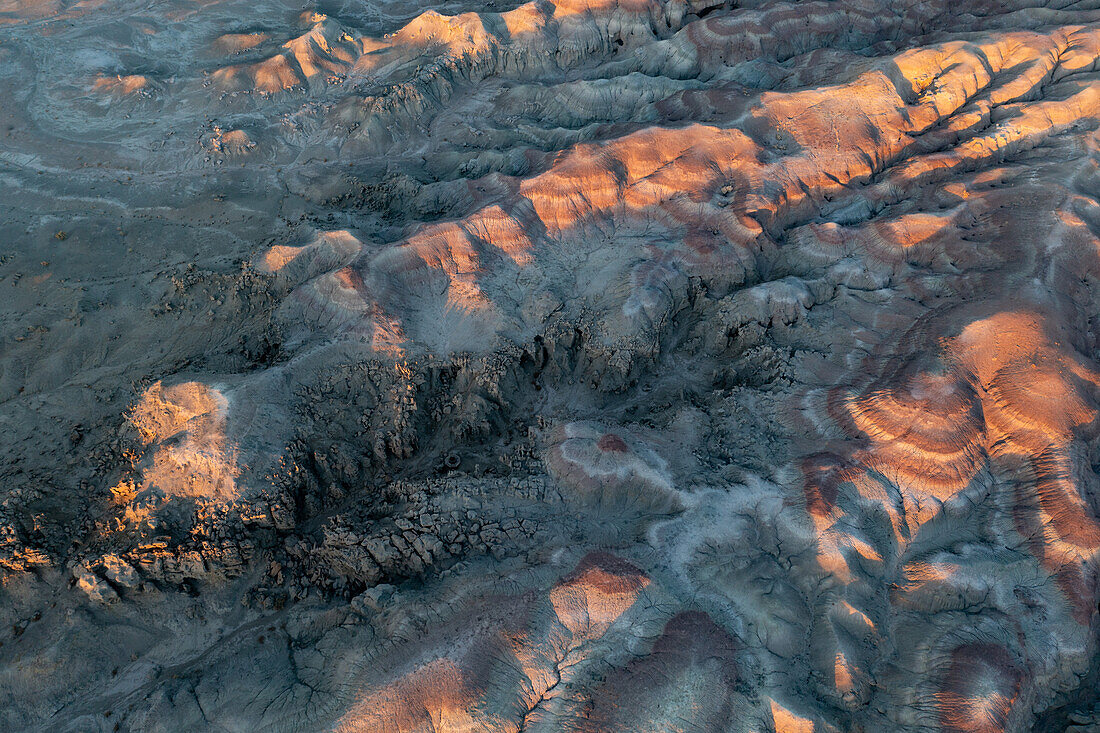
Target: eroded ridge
<point>580,365</point>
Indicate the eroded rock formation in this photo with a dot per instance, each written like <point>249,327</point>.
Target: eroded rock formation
<point>584,365</point>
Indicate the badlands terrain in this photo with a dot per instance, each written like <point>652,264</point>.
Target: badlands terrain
<point>574,365</point>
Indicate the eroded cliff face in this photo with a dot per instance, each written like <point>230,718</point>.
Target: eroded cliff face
<point>582,365</point>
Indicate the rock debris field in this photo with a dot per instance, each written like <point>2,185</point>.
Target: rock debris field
<point>578,365</point>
